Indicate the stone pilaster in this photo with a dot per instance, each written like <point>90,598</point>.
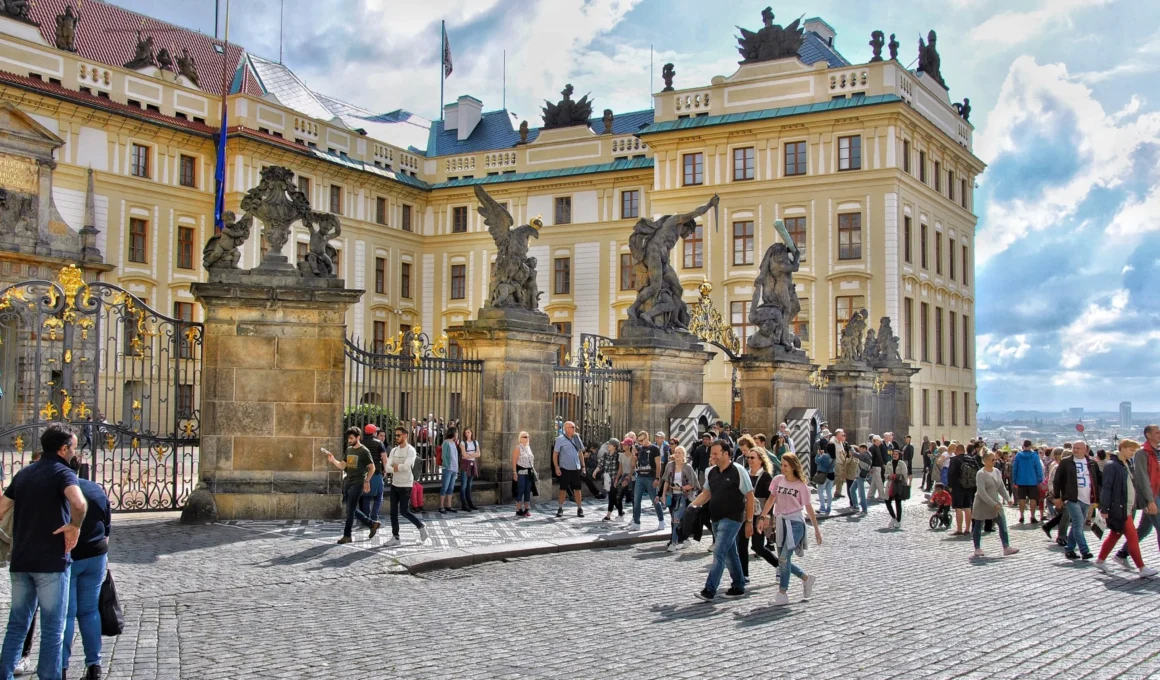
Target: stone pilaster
<point>857,384</point>
<point>769,389</point>
<point>899,375</point>
<point>664,375</point>
<point>272,395</point>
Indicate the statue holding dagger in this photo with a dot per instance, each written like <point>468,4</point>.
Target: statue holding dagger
<point>775,301</point>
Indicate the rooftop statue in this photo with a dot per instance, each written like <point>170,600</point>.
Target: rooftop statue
<point>928,59</point>
<point>17,9</point>
<point>187,67</point>
<point>513,285</point>
<point>893,47</point>
<point>164,61</point>
<point>567,112</point>
<point>66,29</point>
<point>877,40</point>
<point>144,55</point>
<point>659,302</point>
<point>771,41</point>
<point>775,302</point>
<point>964,109</point>
<point>667,73</point>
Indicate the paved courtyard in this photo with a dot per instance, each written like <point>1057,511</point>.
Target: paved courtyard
<point>281,600</point>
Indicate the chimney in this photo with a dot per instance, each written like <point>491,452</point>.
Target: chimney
<point>470,113</point>
<point>451,116</point>
<point>825,31</point>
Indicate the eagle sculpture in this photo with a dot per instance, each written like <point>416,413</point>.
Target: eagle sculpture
<point>513,285</point>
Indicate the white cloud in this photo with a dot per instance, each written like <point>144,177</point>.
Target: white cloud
<point>1105,326</point>
<point>991,353</point>
<point>1014,27</point>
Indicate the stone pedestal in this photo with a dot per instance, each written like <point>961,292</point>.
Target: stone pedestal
<point>899,375</point>
<point>518,350</point>
<point>856,381</point>
<point>769,389</point>
<point>272,395</point>
<point>667,370</point>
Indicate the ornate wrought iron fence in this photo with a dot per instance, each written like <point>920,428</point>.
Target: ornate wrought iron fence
<point>411,381</point>
<point>124,376</point>
<point>884,410</point>
<point>592,394</point>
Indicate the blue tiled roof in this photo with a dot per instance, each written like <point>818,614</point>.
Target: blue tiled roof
<point>814,49</point>
<point>370,167</point>
<point>705,121</point>
<point>495,131</point>
<point>614,166</point>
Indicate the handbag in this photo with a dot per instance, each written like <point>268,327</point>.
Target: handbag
<point>112,620</point>
<point>417,496</point>
<point>820,478</point>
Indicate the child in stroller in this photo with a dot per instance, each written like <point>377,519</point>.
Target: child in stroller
<point>940,501</point>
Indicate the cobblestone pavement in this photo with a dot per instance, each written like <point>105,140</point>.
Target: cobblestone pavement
<point>222,601</point>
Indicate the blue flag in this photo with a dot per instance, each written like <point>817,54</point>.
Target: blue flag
<point>219,204</point>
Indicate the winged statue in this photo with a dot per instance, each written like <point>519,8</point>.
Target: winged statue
<point>567,112</point>
<point>771,41</point>
<point>513,285</point>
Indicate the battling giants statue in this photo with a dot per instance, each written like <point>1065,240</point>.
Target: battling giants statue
<point>775,301</point>
<point>513,286</point>
<point>659,302</point>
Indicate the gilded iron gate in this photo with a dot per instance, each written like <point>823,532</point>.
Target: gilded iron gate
<point>125,377</point>
<point>592,394</point>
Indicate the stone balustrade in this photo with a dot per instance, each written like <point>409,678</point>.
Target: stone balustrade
<point>690,103</point>
<point>628,145</point>
<point>852,80</point>
<point>501,159</point>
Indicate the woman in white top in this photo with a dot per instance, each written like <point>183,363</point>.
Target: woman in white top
<point>469,468</point>
<point>524,475</point>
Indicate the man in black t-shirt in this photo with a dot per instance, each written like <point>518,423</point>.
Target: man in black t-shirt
<point>648,469</point>
<point>371,502</point>
<point>728,497</point>
<point>359,467</point>
<point>700,456</point>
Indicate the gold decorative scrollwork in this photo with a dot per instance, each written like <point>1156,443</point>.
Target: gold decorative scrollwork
<point>879,384</point>
<point>440,348</point>
<point>818,379</point>
<point>52,325</point>
<point>83,411</point>
<point>110,441</point>
<point>159,451</point>
<point>18,442</point>
<point>48,411</point>
<point>417,345</point>
<point>72,282</point>
<point>66,406</point>
<point>85,324</point>
<point>68,356</point>
<point>707,323</point>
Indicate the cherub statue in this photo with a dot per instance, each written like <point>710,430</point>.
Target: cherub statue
<point>223,249</point>
<point>870,346</point>
<point>667,73</point>
<point>320,256</point>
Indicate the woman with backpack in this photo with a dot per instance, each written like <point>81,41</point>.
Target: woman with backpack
<point>961,473</point>
<point>898,488</point>
<point>824,479</point>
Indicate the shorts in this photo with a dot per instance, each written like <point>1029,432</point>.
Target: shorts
<point>1027,493</point>
<point>962,499</point>
<point>569,480</point>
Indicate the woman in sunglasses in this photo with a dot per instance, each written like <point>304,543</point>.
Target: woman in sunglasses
<point>523,474</point>
<point>760,469</point>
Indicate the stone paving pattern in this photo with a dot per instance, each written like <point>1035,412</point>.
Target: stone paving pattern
<point>234,601</point>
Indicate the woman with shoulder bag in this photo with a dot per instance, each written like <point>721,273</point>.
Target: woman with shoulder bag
<point>760,469</point>
<point>898,477</point>
<point>680,480</point>
<point>523,475</point>
<point>468,468</point>
<point>824,480</point>
<point>862,464</point>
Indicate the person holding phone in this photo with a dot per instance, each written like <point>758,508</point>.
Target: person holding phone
<point>358,466</point>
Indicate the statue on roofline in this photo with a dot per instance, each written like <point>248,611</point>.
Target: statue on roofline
<point>771,41</point>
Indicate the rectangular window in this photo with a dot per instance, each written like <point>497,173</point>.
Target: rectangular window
<point>304,187</point>
<point>922,166</point>
<point>966,265</point>
<point>140,161</point>
<point>967,408</point>
<point>629,204</point>
<point>938,180</point>
<point>185,247</point>
<point>850,236</point>
<point>380,275</point>
<point>627,272</point>
<point>563,210</point>
<point>939,408</point>
<point>801,322</point>
<point>695,248</point>
<point>335,199</point>
<point>967,341</point>
<point>563,328</point>
<point>459,219</point>
<point>405,280</point>
<point>796,226</point>
<point>381,210</point>
<point>954,408</point>
<point>963,202</point>
<point>694,169</point>
<point>922,245</point>
<point>952,322</point>
<point>138,239</point>
<point>188,171</point>
<point>906,254</point>
<point>743,242</point>
<point>938,336</point>
<point>380,341</point>
<point>906,156</point>
<point>743,164</point>
<point>301,248</point>
<point>562,276</point>
<point>458,281</point>
<point>795,158</point>
<point>849,153</point>
<point>844,308</point>
<point>739,320</point>
<point>926,407</point>
<point>951,184</point>
<point>951,259</point>
<point>406,218</point>
<point>908,327</point>
<point>938,254</point>
<point>924,330</point>
<point>184,312</point>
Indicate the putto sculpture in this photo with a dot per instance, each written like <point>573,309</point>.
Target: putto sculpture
<point>223,250</point>
<point>893,47</point>
<point>567,112</point>
<point>513,285</point>
<point>928,59</point>
<point>17,9</point>
<point>851,347</point>
<point>667,74</point>
<point>771,41</point>
<point>66,29</point>
<point>775,302</point>
<point>885,349</point>
<point>659,304</point>
<point>320,255</point>
<point>144,54</point>
<point>877,40</point>
<point>164,61</point>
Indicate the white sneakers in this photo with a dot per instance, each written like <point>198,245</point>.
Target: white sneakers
<point>1147,572</point>
<point>1101,565</point>
<point>671,547</point>
<point>1122,561</point>
<point>1010,550</point>
<point>634,527</point>
<point>423,535</point>
<point>393,542</point>
<point>808,584</point>
<point>662,526</point>
<point>781,599</point>
<point>978,552</point>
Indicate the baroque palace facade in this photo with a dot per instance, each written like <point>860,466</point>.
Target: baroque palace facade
<point>869,165</point>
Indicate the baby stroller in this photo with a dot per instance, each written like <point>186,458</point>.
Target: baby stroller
<point>940,500</point>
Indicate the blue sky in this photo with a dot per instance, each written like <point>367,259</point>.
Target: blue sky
<point>1068,248</point>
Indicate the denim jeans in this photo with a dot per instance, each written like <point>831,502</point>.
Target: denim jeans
<point>351,494</point>
<point>84,594</point>
<point>644,485</point>
<point>858,494</point>
<point>725,555</point>
<point>677,511</point>
<point>1147,523</point>
<point>465,482</point>
<point>401,503</point>
<point>785,555</point>
<point>50,591</point>
<point>371,502</point>
<point>826,496</point>
<point>448,482</point>
<point>977,530</point>
<point>1077,512</point>
<point>524,488</point>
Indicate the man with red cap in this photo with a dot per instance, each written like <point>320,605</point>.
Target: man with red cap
<point>370,503</point>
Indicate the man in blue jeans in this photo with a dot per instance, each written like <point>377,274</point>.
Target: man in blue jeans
<point>90,560</point>
<point>50,509</point>
<point>1077,482</point>
<point>359,467</point>
<point>729,495</point>
<point>648,467</point>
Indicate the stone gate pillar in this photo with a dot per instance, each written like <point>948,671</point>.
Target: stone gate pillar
<point>272,395</point>
<point>769,389</point>
<point>899,375</point>
<point>667,369</point>
<point>857,384</point>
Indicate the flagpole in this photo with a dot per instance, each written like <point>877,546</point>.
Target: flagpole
<point>442,63</point>
<point>220,197</point>
<point>505,80</point>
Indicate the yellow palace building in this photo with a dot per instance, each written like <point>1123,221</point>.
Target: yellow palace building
<point>869,166</point>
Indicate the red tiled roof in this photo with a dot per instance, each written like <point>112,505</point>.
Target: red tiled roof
<point>94,40</point>
<point>96,102</point>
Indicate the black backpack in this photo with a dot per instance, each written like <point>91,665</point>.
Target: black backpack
<point>967,472</point>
